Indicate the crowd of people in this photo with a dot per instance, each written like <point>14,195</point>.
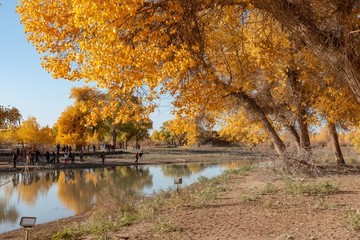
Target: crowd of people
<point>33,156</point>
<point>65,153</point>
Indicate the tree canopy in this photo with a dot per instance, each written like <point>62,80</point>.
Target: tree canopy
<point>279,62</point>
<point>9,117</point>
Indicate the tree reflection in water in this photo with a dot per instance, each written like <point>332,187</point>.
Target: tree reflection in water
<point>78,190</point>
<point>182,170</point>
<point>31,185</point>
<point>8,213</point>
<point>122,183</point>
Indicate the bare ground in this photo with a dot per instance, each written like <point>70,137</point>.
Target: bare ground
<point>247,209</point>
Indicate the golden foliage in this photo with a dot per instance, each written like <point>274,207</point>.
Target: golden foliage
<point>203,52</point>
<point>71,127</point>
<point>238,128</point>
<point>355,139</point>
<point>31,133</point>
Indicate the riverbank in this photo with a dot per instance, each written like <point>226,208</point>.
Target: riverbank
<point>150,156</point>
<point>241,204</point>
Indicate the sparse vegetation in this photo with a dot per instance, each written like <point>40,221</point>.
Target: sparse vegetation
<point>165,226</point>
<point>269,188</point>
<point>317,189</point>
<point>321,204</point>
<point>253,196</point>
<point>143,208</point>
<point>242,170</point>
<point>353,218</point>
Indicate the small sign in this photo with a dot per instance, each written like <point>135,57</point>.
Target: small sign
<point>27,222</point>
<point>178,180</point>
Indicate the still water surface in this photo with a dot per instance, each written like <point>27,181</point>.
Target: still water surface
<point>58,194</point>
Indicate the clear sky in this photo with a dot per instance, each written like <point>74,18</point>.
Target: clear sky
<point>27,86</point>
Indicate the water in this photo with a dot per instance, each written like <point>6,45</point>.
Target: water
<point>59,194</point>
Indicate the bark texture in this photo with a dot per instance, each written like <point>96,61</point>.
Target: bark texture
<point>335,143</point>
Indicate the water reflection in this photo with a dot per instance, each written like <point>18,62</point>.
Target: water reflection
<point>61,193</point>
<point>8,213</point>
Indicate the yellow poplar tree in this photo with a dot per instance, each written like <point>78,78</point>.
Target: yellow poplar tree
<point>199,51</point>
<point>30,133</point>
<point>9,117</point>
<point>71,126</point>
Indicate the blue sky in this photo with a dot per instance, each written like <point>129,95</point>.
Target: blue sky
<point>27,86</point>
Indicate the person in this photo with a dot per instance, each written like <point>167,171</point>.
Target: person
<point>47,156</point>
<point>140,155</point>
<point>57,156</point>
<point>71,157</point>
<point>136,157</point>
<point>102,155</point>
<point>81,156</point>
<point>37,155</point>
<point>14,158</point>
<point>53,157</point>
<point>66,157</point>
<point>32,158</point>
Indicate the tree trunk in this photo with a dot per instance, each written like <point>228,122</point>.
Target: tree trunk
<point>304,134</point>
<point>294,135</point>
<point>292,76</point>
<point>253,107</point>
<point>335,143</point>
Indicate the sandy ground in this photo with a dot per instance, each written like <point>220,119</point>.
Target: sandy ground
<point>247,209</point>
<point>239,213</point>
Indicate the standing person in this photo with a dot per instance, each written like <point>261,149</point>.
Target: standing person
<point>102,155</point>
<point>53,157</point>
<point>140,155</point>
<point>136,157</point>
<point>81,156</point>
<point>37,155</point>
<point>27,159</point>
<point>24,155</point>
<point>47,156</point>
<point>14,158</point>
<point>71,157</point>
<point>57,156</point>
<point>32,158</point>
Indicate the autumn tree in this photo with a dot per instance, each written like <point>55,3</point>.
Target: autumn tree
<point>339,109</point>
<point>9,117</point>
<point>162,135</point>
<point>30,133</point>
<point>237,127</point>
<point>84,122</point>
<point>135,131</point>
<point>189,130</point>
<point>176,52</point>
<point>71,127</point>
<point>355,139</point>
<point>208,54</point>
<point>330,29</point>
<point>86,115</point>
